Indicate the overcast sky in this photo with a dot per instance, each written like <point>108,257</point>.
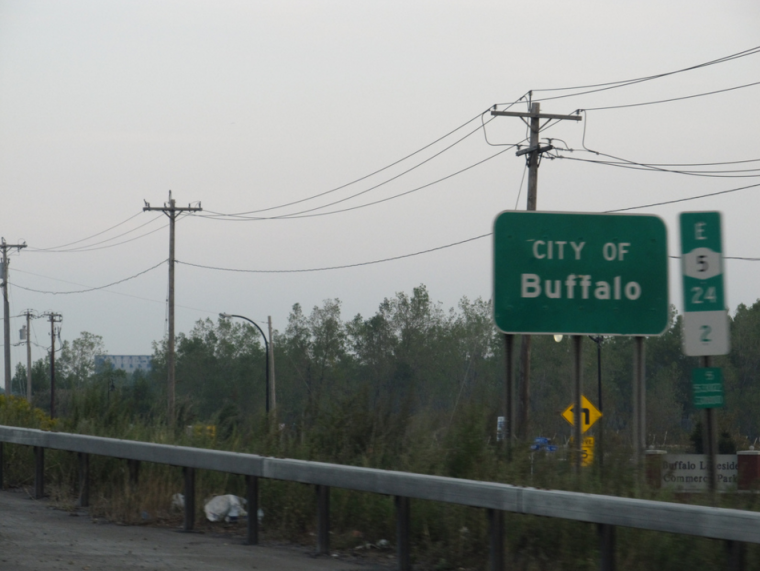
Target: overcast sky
<point>246,105</point>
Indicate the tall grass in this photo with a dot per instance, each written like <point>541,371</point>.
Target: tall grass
<point>356,431</point>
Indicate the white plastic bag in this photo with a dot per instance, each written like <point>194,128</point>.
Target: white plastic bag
<point>178,502</point>
<point>227,508</point>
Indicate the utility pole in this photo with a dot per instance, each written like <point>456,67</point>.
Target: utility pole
<point>53,318</point>
<point>6,311</point>
<point>29,315</point>
<point>171,210</point>
<point>533,152</point>
<point>273,393</point>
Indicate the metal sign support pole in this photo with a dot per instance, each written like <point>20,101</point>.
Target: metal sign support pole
<point>639,401</point>
<point>509,394</point>
<point>709,432</point>
<point>601,407</point>
<point>578,391</point>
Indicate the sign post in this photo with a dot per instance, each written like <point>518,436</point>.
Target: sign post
<point>705,318</point>
<point>582,274</point>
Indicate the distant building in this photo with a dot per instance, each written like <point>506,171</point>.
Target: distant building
<point>128,363</point>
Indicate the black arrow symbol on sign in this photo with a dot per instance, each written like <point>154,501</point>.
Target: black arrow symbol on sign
<point>586,412</point>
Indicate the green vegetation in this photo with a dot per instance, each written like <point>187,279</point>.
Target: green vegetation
<point>413,387</point>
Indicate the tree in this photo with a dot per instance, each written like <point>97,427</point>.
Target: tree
<point>77,358</point>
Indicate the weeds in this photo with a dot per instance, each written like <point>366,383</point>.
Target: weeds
<point>444,536</point>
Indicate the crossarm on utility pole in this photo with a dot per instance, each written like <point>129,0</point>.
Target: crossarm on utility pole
<point>536,115</point>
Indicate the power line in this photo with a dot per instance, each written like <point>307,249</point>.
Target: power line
<point>91,246</point>
<point>335,267</point>
<point>750,51</point>
<point>625,83</point>
<point>313,215</point>
<point>684,199</point>
<point>628,161</point>
<point>684,164</point>
<point>89,237</point>
<point>353,181</point>
<point>483,123</point>
<point>160,301</point>
<point>743,258</point>
<point>301,213</point>
<point>671,99</point>
<point>326,268</point>
<point>622,162</point>
<point>647,167</point>
<point>88,249</point>
<point>655,166</point>
<point>93,288</point>
<point>383,260</point>
<point>305,213</point>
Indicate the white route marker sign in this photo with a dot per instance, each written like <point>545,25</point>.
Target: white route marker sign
<point>705,318</point>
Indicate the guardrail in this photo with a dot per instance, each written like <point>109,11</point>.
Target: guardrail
<point>736,527</point>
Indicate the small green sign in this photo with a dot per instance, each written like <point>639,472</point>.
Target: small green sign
<point>702,261</point>
<point>707,387</point>
<point>705,319</point>
<point>576,273</point>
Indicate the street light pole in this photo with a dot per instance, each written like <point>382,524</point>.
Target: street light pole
<point>266,350</point>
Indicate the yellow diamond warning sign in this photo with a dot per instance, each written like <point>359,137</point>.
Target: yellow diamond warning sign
<point>589,414</point>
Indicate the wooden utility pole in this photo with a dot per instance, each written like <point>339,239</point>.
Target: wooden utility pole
<point>29,314</point>
<point>273,392</point>
<point>6,312</point>
<point>533,153</point>
<point>53,318</point>
<point>171,210</point>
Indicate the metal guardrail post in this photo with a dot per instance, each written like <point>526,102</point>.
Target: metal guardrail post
<point>134,472</point>
<point>496,539</point>
<point>402,533</point>
<point>39,472</point>
<point>735,552</point>
<point>252,498</point>
<point>189,474</point>
<point>323,520</point>
<point>606,547</point>
<point>84,479</point>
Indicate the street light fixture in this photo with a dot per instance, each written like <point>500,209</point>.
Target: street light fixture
<point>266,350</point>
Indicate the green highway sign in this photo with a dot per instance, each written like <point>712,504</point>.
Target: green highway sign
<point>705,319</point>
<point>707,387</point>
<point>580,273</point>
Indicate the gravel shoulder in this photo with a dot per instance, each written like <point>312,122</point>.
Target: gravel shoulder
<point>34,535</point>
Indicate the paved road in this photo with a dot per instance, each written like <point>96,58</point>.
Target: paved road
<point>35,536</point>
